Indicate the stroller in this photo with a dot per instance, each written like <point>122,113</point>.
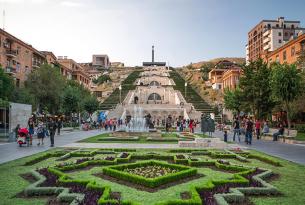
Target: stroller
<point>23,137</point>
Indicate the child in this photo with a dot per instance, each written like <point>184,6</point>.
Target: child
<point>225,136</point>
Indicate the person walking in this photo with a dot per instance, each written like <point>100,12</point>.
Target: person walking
<point>249,130</point>
<point>31,126</point>
<point>225,136</point>
<point>52,130</point>
<point>258,129</point>
<point>40,133</point>
<point>236,129</point>
<point>59,125</point>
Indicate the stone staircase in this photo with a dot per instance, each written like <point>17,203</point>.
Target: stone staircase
<point>192,97</point>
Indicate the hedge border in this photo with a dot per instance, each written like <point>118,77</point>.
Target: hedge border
<point>116,171</point>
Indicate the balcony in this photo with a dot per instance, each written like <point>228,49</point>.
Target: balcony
<point>267,47</point>
<point>266,40</point>
<point>10,70</point>
<point>266,33</point>
<point>11,53</point>
<point>36,64</point>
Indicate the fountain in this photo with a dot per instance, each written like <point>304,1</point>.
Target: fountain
<point>137,122</point>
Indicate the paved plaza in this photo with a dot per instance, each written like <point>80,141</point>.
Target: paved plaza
<point>11,151</point>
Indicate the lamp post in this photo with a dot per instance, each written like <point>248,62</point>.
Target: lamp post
<point>120,88</point>
<point>185,86</point>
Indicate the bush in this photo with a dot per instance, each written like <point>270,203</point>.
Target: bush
<point>300,128</point>
<point>116,171</point>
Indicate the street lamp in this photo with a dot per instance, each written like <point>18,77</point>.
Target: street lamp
<point>185,86</point>
<point>120,88</point>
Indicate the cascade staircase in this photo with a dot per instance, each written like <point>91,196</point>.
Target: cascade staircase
<point>128,84</point>
<point>192,96</point>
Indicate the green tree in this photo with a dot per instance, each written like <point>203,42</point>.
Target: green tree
<point>287,85</point>
<point>102,79</point>
<point>91,104</point>
<point>22,95</point>
<point>301,61</point>
<point>6,85</point>
<point>71,102</point>
<point>233,99</point>
<point>46,85</point>
<point>256,89</point>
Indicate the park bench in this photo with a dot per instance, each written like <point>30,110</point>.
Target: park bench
<point>282,138</point>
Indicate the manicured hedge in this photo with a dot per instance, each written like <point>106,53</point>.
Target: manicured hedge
<point>44,157</point>
<point>265,159</point>
<point>116,171</point>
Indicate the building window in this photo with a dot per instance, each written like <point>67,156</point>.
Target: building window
<point>277,25</point>
<point>280,34</point>
<point>280,41</point>
<point>17,82</point>
<point>292,51</point>
<point>292,26</point>
<point>284,55</point>
<point>284,25</point>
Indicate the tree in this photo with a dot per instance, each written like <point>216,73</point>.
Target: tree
<point>287,85</point>
<point>301,61</point>
<point>102,79</point>
<point>22,95</point>
<point>71,102</point>
<point>46,85</point>
<point>256,89</point>
<point>91,105</point>
<point>233,99</point>
<point>6,85</point>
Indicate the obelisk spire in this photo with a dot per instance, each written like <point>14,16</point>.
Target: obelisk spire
<point>153,54</point>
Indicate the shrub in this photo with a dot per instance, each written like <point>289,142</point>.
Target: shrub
<point>116,171</point>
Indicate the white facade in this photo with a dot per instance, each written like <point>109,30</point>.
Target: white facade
<point>279,32</point>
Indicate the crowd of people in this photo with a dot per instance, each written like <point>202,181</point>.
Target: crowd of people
<point>249,127</point>
<point>42,129</point>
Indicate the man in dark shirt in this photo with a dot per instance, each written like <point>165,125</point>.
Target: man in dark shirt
<point>278,133</point>
<point>236,128</point>
<point>249,130</point>
<point>52,130</point>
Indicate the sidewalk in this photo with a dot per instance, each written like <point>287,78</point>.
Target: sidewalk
<point>11,151</point>
<point>290,152</point>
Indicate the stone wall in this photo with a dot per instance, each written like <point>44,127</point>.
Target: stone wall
<point>19,114</point>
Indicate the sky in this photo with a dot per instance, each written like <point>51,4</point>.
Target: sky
<point>182,31</point>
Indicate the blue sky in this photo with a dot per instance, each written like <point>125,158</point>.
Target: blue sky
<point>182,31</point>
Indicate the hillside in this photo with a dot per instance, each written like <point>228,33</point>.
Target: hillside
<point>215,60</point>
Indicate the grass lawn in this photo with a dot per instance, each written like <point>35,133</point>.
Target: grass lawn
<point>142,139</point>
<point>290,180</point>
<point>300,136</point>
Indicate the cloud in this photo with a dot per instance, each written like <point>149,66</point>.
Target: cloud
<point>71,4</point>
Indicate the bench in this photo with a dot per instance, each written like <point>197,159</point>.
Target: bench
<point>282,138</point>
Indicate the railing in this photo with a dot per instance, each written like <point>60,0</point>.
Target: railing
<point>10,69</point>
<point>11,52</point>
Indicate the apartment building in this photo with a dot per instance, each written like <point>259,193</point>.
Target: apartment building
<point>216,74</point>
<point>269,35</point>
<point>230,78</point>
<point>101,61</point>
<point>289,52</point>
<point>77,71</point>
<point>18,58</point>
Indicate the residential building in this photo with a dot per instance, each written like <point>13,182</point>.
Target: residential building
<point>269,35</point>
<point>289,52</point>
<point>101,60</point>
<point>77,71</point>
<point>17,57</point>
<point>230,78</point>
<point>215,75</point>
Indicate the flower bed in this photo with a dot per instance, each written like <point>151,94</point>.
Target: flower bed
<point>151,171</point>
<point>123,172</point>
